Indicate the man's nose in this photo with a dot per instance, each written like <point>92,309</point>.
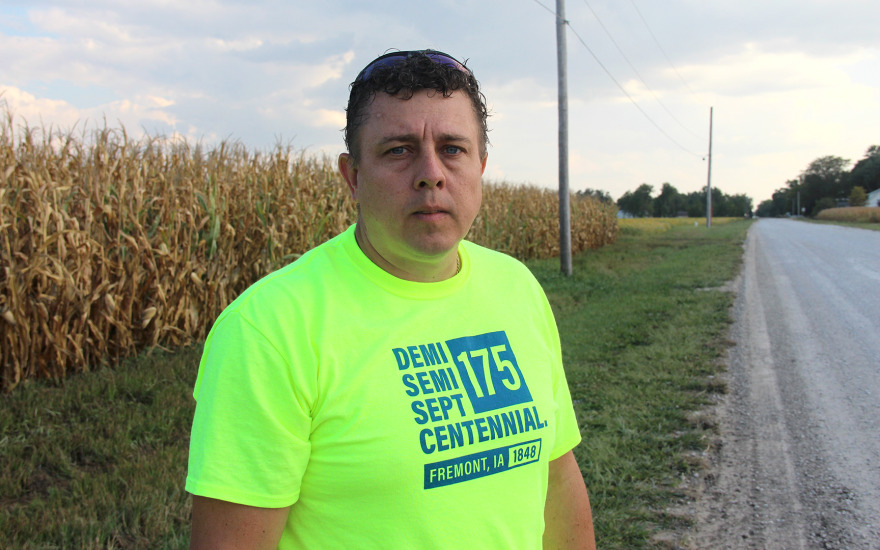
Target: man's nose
<point>430,171</point>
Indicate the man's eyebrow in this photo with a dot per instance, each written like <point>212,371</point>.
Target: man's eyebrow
<point>454,137</point>
<point>404,138</point>
<point>412,138</point>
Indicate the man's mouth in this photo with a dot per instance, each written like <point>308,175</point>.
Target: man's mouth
<point>431,214</point>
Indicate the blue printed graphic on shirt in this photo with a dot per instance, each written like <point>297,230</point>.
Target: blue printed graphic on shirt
<point>437,376</point>
<point>488,371</point>
<point>482,464</point>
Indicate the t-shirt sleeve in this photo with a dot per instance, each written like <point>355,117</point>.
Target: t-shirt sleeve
<point>250,434</point>
<point>568,435</point>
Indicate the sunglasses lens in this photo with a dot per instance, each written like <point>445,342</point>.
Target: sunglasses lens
<point>381,62</point>
<point>396,57</point>
<point>444,59</point>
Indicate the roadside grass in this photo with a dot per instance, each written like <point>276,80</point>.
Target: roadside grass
<point>638,226</point>
<point>873,226</point>
<point>641,339</point>
<point>100,462</point>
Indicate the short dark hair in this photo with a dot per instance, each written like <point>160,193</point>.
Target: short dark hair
<point>415,72</point>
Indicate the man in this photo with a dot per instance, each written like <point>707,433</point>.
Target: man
<point>396,387</point>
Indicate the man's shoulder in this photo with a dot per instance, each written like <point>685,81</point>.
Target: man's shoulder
<point>299,279</point>
<point>495,263</point>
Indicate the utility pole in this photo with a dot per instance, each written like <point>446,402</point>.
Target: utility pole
<point>799,203</point>
<point>709,181</point>
<point>564,197</point>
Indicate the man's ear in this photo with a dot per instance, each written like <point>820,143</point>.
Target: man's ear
<point>483,164</point>
<point>349,173</point>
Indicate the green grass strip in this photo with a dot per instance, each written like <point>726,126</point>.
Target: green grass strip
<point>100,461</point>
<point>641,340</point>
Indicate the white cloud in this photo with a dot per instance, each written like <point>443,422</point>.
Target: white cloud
<point>32,111</point>
<point>333,119</point>
<point>754,70</point>
<point>224,46</point>
<point>131,113</point>
<point>61,22</point>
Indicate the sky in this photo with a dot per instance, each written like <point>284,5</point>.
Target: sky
<point>788,81</point>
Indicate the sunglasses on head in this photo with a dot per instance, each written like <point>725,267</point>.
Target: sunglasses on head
<point>396,57</point>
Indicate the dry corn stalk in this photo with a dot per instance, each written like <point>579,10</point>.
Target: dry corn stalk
<point>110,245</point>
<point>523,221</point>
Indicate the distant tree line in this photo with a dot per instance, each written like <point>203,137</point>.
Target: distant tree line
<point>825,183</point>
<point>670,203</point>
<point>603,196</point>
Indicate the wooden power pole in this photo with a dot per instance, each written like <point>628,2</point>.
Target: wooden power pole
<point>564,197</point>
<point>709,181</point>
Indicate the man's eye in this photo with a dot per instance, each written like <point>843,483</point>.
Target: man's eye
<point>453,150</point>
<point>397,150</point>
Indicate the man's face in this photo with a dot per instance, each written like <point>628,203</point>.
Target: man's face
<point>418,179</point>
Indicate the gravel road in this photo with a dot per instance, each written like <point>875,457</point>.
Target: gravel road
<point>799,464</point>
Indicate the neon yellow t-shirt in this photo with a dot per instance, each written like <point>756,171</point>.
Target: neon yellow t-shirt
<point>389,413</point>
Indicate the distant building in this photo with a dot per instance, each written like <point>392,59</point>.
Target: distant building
<point>682,214</point>
<point>873,198</point>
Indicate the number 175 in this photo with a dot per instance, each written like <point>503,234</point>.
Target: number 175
<point>512,384</point>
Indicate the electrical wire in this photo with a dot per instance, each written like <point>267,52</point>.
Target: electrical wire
<point>637,72</point>
<point>680,146</point>
<point>548,9</point>
<point>663,52</point>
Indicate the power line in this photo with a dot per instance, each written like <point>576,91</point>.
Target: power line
<point>637,72</point>
<point>680,146</point>
<point>629,96</point>
<point>664,53</point>
<point>546,8</point>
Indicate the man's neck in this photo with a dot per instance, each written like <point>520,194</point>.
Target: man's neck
<point>421,272</point>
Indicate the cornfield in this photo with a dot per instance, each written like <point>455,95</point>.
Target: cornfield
<point>111,245</point>
<point>523,221</point>
<point>865,214</point>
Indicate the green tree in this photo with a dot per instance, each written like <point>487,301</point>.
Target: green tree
<point>695,203</point>
<point>781,202</point>
<point>866,172</point>
<point>823,204</point>
<point>638,203</point>
<point>824,177</point>
<point>778,204</point>
<point>603,196</point>
<point>858,196</point>
<point>737,206</point>
<point>668,203</point>
<point>719,203</point>
<point>766,209</point>
<point>830,168</point>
